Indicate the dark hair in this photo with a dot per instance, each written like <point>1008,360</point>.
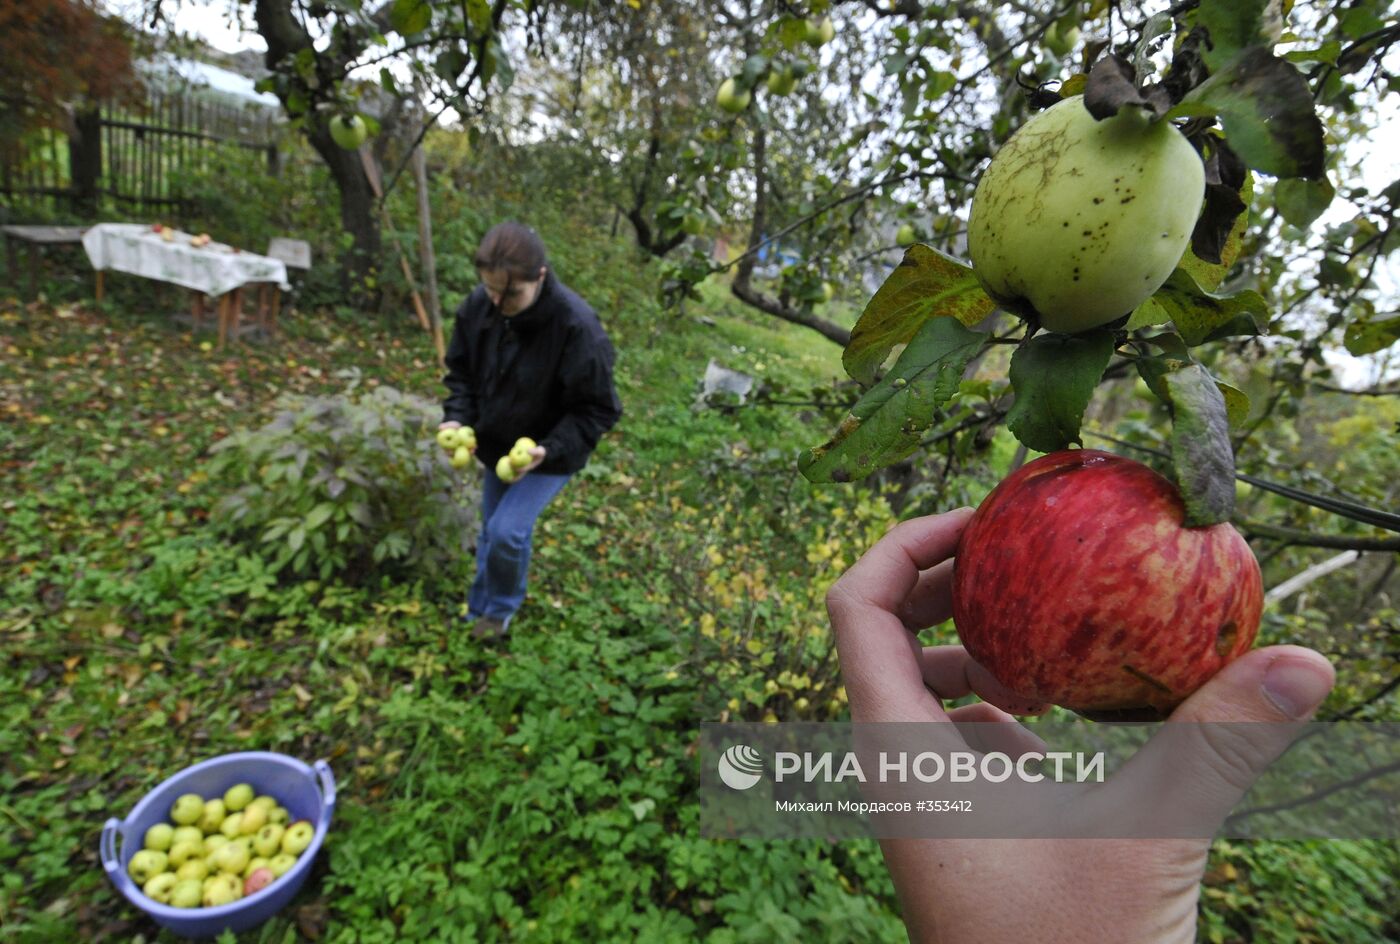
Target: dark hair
<point>513,248</point>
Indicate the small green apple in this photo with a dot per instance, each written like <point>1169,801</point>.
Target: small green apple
<point>268,839</point>
<point>732,98</point>
<point>252,819</point>
<point>213,816</point>
<point>187,893</point>
<point>349,134</point>
<point>448,438</point>
<point>279,815</point>
<point>232,858</point>
<point>520,455</point>
<point>159,887</point>
<point>504,470</point>
<point>159,837</point>
<point>146,865</point>
<point>906,236</point>
<point>212,843</point>
<point>266,802</point>
<point>193,868</point>
<point>255,863</point>
<point>184,833</point>
<point>297,837</point>
<point>232,825</point>
<point>221,890</point>
<point>781,81</point>
<point>187,809</point>
<point>238,796</point>
<point>257,880</point>
<point>461,458</point>
<point>819,32</point>
<point>185,850</point>
<point>282,863</point>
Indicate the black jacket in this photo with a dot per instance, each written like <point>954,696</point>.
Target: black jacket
<point>545,373</point>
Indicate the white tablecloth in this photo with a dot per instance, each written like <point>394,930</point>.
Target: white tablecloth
<point>213,269</point>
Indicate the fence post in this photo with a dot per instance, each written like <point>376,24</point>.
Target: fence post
<point>85,158</point>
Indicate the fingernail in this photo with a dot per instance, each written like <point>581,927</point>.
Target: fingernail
<point>1296,688</point>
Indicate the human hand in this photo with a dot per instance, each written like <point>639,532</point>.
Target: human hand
<point>538,454</point>
<point>970,891</point>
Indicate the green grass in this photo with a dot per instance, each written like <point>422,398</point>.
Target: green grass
<point>543,790</point>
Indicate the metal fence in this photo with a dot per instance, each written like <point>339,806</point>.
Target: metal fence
<point>131,156</point>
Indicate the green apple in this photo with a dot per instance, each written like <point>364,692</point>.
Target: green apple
<point>732,98</point>
<point>448,438</point>
<point>187,809</point>
<point>184,833</point>
<point>828,291</point>
<point>187,893</point>
<point>282,863</point>
<point>1077,221</point>
<point>520,455</point>
<point>266,802</point>
<point>194,868</point>
<point>781,81</point>
<point>268,840</point>
<point>297,837</point>
<point>185,850</point>
<point>280,816</point>
<point>221,890</point>
<point>257,880</point>
<point>147,864</point>
<point>252,819</point>
<point>466,436</point>
<point>159,887</point>
<point>238,796</point>
<point>213,817</point>
<point>255,863</point>
<point>819,32</point>
<point>232,825</point>
<point>461,458</point>
<point>349,133</point>
<point>212,843</point>
<point>159,837</point>
<point>232,858</point>
<point>504,470</point>
<point>906,236</point>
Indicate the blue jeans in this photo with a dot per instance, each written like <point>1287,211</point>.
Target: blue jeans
<point>508,514</point>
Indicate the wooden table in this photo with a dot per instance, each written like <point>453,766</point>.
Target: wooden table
<point>211,271</point>
<point>36,239</point>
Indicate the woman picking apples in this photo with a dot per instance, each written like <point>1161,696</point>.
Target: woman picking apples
<point>529,362</point>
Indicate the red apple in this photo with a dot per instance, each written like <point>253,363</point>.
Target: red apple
<point>1076,584</point>
<point>257,880</point>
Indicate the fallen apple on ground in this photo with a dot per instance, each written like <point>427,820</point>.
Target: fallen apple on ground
<point>1077,584</point>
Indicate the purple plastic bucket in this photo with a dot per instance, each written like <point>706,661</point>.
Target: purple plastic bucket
<point>307,793</point>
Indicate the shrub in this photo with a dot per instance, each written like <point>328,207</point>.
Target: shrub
<point>342,485</point>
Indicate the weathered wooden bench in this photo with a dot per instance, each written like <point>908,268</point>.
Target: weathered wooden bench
<point>36,239</point>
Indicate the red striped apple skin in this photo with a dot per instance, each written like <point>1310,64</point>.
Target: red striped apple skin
<point>1075,584</point>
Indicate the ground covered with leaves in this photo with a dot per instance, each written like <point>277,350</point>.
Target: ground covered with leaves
<point>540,789</point>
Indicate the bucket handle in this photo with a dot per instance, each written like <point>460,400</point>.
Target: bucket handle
<point>323,770</point>
<point>111,861</point>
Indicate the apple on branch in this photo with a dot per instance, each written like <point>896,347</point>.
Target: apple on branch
<point>1077,584</point>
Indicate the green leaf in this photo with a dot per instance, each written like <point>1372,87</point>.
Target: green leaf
<point>1199,315</point>
<point>1368,337</point>
<point>1236,404</point>
<point>1234,25</point>
<point>319,515</point>
<point>885,425</point>
<point>1054,376</point>
<point>1201,453</point>
<point>1209,275</point>
<point>1303,201</point>
<point>925,285</point>
<point>1266,110</point>
<point>410,16</point>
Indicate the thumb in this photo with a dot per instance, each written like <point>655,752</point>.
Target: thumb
<point>1194,771</point>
